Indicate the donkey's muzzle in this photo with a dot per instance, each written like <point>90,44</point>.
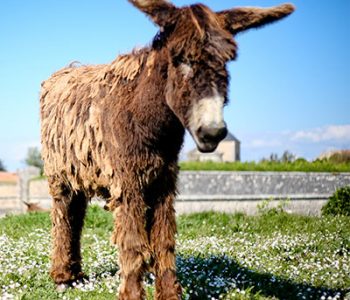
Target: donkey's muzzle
<point>209,137</point>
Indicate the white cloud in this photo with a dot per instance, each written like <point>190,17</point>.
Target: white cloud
<point>303,143</point>
<point>337,133</point>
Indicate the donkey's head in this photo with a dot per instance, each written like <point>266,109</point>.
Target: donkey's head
<point>198,43</point>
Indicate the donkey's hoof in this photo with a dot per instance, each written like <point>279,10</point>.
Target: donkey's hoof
<point>65,280</point>
<point>61,288</point>
<point>80,277</point>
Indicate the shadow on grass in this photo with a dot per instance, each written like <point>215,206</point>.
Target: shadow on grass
<point>204,278</point>
<point>214,276</point>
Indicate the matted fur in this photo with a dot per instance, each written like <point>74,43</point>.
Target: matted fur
<point>73,143</point>
<point>116,130</point>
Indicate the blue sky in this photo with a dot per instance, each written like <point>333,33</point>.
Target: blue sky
<point>290,87</point>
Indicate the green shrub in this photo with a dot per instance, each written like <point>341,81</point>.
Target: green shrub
<point>338,203</point>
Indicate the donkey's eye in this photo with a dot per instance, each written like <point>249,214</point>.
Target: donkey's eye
<point>186,70</point>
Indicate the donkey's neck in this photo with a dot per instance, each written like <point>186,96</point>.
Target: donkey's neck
<point>165,129</point>
<point>144,120</point>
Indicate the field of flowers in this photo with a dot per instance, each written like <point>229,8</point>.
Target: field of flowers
<point>219,256</point>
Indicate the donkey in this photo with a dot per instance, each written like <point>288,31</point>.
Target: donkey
<point>116,130</point>
<point>34,207</point>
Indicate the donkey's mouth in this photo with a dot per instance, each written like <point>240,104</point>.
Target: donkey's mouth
<point>207,140</point>
<point>204,145</point>
<point>207,147</point>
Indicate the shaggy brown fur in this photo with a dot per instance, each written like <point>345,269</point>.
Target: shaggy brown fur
<point>116,130</point>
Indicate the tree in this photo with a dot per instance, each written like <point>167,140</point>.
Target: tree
<point>34,158</point>
<point>274,157</point>
<point>287,157</point>
<point>2,166</point>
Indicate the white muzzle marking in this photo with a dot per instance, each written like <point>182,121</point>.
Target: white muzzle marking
<point>207,112</point>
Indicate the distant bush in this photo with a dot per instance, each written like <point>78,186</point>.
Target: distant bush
<point>338,203</point>
<point>301,161</point>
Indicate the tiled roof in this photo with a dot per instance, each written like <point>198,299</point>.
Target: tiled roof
<point>8,177</point>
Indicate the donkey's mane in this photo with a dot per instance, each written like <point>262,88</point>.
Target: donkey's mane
<point>128,66</point>
<point>102,77</point>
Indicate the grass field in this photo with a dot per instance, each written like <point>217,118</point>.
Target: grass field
<point>219,256</point>
<point>268,166</point>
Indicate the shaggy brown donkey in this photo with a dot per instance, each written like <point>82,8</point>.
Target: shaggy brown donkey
<point>116,130</point>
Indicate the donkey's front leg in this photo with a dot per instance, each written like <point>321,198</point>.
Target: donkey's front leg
<point>134,251</point>
<point>67,215</point>
<point>163,246</point>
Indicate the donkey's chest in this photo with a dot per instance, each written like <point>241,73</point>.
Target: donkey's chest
<point>142,131</point>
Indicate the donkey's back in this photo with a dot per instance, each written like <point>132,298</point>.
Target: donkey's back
<point>72,104</point>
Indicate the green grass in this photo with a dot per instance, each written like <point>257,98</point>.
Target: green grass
<point>219,256</point>
<point>297,166</point>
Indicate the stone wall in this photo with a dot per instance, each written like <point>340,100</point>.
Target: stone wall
<point>39,192</point>
<point>260,185</point>
<point>238,191</point>
<point>8,197</point>
<point>243,191</point>
<point>14,194</point>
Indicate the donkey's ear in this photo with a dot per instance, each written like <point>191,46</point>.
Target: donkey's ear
<point>240,19</point>
<point>162,12</point>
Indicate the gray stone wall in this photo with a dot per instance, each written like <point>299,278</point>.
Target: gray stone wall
<point>259,185</point>
<point>235,191</point>
<point>250,207</point>
<point>243,191</point>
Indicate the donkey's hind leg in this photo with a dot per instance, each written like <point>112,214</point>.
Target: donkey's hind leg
<point>67,216</point>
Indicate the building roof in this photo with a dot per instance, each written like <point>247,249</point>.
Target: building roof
<point>230,138</point>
